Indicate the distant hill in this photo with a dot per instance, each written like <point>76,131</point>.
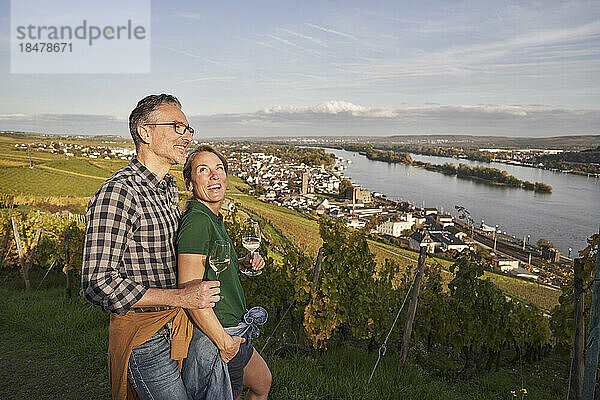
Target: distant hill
<point>578,142</point>
<point>555,142</point>
<point>67,138</point>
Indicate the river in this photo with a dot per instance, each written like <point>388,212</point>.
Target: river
<point>566,217</point>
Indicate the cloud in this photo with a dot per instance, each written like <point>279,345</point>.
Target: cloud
<point>193,16</point>
<point>345,118</point>
<point>267,45</point>
<point>429,112</point>
<point>312,39</point>
<point>334,118</point>
<point>285,41</point>
<point>210,78</point>
<point>12,116</point>
<point>321,28</point>
<point>332,107</point>
<point>187,53</point>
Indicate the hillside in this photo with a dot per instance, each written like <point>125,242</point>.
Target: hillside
<point>59,176</point>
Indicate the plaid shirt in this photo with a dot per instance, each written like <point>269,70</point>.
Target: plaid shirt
<point>130,238</point>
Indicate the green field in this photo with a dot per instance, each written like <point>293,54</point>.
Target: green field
<point>81,166</point>
<point>301,231</point>
<point>41,182</point>
<point>532,292</point>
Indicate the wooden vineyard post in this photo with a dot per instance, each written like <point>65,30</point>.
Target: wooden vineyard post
<point>21,255</point>
<point>412,308</point>
<point>593,344</point>
<point>67,264</point>
<point>579,332</point>
<point>5,247</point>
<point>36,240</point>
<point>317,270</point>
<point>315,286</point>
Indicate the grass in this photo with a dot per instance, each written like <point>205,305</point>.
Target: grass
<point>236,185</point>
<point>344,372</point>
<point>4,162</point>
<point>109,165</point>
<point>41,182</point>
<point>81,166</point>
<point>535,293</point>
<point>403,256</point>
<point>53,347</point>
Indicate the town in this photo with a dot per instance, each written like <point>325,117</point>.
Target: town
<point>324,191</point>
<point>79,150</point>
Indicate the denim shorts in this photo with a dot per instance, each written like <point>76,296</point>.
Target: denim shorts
<point>236,367</point>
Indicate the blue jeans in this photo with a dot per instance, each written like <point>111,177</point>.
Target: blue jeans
<point>152,372</point>
<point>204,372</point>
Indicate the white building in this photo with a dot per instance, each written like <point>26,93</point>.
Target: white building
<point>505,264</point>
<point>513,267</point>
<point>444,220</point>
<point>395,228</point>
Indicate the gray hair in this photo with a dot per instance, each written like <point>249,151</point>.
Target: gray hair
<point>141,114</point>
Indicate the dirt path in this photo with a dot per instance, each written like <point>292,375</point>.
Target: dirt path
<point>70,172</point>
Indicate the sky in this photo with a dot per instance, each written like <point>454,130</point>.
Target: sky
<point>323,68</point>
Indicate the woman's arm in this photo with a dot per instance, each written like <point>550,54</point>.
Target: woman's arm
<point>190,271</point>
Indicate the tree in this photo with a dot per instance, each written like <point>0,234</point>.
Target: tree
<point>354,293</point>
<point>545,244</point>
<point>344,185</point>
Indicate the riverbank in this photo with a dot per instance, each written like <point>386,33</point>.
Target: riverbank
<point>572,206</point>
<point>457,154</point>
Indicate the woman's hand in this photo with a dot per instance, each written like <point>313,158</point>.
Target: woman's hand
<point>231,348</point>
<point>253,261</point>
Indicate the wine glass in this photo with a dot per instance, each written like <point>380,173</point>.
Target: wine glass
<point>219,256</point>
<point>251,242</point>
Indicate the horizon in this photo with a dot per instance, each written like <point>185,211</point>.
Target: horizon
<point>305,137</point>
<point>339,69</point>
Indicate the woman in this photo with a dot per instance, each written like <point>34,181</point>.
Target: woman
<point>205,174</point>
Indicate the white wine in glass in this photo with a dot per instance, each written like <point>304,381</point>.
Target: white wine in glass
<point>251,242</point>
<point>219,256</point>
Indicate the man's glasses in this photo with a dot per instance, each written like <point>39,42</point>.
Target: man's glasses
<point>179,127</point>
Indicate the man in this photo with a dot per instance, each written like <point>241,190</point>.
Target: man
<point>129,260</point>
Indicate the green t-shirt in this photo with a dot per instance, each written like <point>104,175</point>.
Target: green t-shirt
<point>198,229</point>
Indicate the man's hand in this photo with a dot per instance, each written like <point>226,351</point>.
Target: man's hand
<point>252,261</point>
<point>200,294</point>
<point>231,348</point>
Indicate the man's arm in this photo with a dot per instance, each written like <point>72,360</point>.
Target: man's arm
<point>191,270</point>
<point>198,294</point>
